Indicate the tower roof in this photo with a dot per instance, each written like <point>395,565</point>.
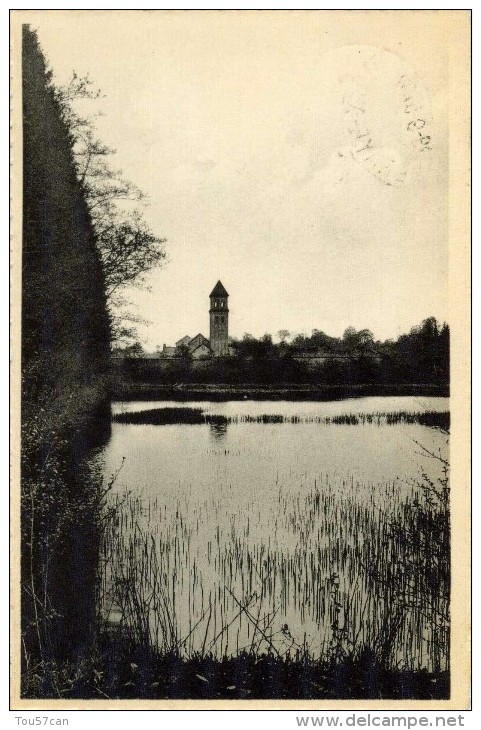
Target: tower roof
<point>219,290</point>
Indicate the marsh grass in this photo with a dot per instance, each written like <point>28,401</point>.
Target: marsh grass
<point>340,590</point>
<point>330,578</point>
<point>193,416</point>
<point>162,416</point>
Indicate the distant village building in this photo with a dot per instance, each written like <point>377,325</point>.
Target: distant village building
<point>199,346</point>
<point>200,350</point>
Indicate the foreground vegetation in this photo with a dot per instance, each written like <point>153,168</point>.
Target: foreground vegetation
<point>376,587</point>
<point>122,669</point>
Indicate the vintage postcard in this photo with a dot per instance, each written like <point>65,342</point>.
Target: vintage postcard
<point>241,347</point>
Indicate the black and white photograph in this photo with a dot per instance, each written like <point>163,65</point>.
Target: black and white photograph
<point>241,372</point>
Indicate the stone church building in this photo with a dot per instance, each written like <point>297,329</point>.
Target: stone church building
<point>218,343</point>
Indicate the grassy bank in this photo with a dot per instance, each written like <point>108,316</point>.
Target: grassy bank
<point>221,392</point>
<point>121,669</point>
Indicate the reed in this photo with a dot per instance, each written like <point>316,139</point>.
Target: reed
<point>196,416</point>
<point>162,416</point>
<point>336,571</point>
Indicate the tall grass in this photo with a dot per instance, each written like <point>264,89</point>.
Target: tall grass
<point>340,569</point>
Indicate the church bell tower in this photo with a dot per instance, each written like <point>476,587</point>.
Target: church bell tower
<point>219,321</point>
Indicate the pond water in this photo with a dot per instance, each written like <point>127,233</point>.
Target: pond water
<point>371,404</point>
<point>258,537</point>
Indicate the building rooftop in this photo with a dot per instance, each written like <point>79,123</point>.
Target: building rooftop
<point>219,290</point>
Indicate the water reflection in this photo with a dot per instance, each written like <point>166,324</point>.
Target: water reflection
<point>218,430</point>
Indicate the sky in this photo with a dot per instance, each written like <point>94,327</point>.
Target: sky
<point>299,157</point>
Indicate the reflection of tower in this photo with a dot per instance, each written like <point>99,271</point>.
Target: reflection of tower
<point>218,430</point>
<point>219,321</point>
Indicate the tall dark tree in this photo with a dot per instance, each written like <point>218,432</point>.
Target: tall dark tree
<point>65,326</point>
<point>65,354</point>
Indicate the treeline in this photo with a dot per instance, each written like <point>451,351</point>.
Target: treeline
<point>65,386</point>
<point>421,356</point>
